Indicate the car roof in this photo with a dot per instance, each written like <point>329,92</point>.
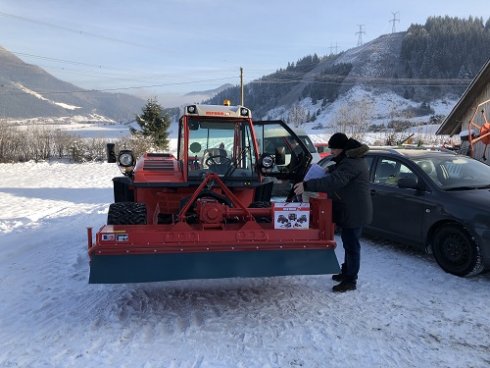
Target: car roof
<point>407,152</point>
<point>412,152</point>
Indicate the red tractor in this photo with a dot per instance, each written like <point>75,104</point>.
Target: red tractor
<point>207,213</point>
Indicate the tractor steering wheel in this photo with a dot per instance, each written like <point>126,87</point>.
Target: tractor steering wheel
<point>211,160</point>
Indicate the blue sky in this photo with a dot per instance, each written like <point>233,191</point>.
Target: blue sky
<point>157,48</point>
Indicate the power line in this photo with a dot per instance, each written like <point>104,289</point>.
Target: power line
<point>331,79</point>
<point>54,59</point>
<point>122,88</point>
<point>112,73</point>
<point>79,32</point>
<point>334,79</point>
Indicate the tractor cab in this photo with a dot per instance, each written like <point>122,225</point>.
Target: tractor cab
<point>218,139</point>
<point>225,141</point>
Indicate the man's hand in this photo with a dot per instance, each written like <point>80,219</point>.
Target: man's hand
<point>299,188</point>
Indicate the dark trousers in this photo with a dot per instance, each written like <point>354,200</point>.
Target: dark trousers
<point>352,248</point>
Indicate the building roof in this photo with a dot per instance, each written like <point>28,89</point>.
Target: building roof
<point>452,123</point>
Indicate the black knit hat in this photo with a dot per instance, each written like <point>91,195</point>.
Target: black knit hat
<point>338,140</point>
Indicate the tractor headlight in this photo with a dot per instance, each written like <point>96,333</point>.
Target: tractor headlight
<point>191,109</point>
<point>126,161</point>
<point>244,111</point>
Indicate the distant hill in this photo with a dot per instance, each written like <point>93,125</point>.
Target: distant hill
<point>27,91</point>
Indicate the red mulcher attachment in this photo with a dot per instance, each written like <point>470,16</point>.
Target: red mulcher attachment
<point>207,212</point>
<point>214,248</point>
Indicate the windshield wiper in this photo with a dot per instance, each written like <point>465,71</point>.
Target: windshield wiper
<point>487,186</point>
<point>462,188</point>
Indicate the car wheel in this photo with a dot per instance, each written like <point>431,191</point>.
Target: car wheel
<point>456,252</point>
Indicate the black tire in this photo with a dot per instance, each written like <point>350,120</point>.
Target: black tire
<point>126,213</point>
<point>456,252</point>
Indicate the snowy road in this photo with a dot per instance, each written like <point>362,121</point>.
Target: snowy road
<point>406,312</point>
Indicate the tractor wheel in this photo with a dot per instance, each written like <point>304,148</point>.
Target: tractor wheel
<point>126,213</point>
<point>456,252</point>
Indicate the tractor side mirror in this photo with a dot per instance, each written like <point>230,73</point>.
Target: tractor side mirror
<point>280,155</point>
<point>111,153</point>
<point>193,125</point>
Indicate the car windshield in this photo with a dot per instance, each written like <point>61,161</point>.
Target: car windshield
<point>455,172</point>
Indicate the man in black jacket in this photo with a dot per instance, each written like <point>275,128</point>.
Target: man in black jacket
<point>347,186</point>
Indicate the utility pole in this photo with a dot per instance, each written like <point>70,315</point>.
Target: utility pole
<point>395,19</point>
<point>360,33</point>
<point>332,48</point>
<point>241,86</point>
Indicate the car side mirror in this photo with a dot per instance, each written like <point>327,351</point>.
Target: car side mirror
<point>280,155</point>
<point>409,182</point>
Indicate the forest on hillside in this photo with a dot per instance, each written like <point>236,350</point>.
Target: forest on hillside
<point>444,52</point>
<point>446,47</point>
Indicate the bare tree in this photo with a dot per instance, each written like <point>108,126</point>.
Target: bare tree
<point>353,119</point>
<point>138,144</point>
<point>42,144</point>
<point>62,143</point>
<point>297,115</point>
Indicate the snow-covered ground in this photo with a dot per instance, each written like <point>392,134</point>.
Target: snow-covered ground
<point>406,312</point>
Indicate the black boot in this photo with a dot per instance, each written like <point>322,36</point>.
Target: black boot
<point>344,286</point>
<point>339,277</point>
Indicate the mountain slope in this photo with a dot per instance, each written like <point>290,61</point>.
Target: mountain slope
<point>373,61</point>
<point>427,64</point>
<point>28,91</point>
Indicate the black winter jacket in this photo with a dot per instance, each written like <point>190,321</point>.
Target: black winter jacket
<point>347,184</point>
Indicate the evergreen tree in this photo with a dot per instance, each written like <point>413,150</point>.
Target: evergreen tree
<point>154,123</point>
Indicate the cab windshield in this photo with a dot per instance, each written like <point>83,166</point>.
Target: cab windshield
<point>221,146</point>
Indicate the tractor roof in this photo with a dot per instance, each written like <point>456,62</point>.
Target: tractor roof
<point>218,111</point>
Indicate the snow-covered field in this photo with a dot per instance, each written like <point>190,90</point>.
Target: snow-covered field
<point>406,312</point>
